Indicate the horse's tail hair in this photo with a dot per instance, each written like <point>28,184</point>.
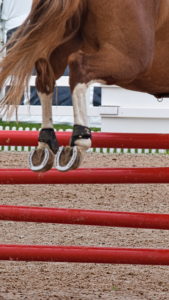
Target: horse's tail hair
<point>44,30</point>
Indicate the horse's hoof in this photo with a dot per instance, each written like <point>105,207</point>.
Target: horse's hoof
<point>41,160</point>
<point>68,158</point>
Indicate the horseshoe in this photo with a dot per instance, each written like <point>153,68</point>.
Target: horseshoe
<point>47,162</point>
<point>74,161</point>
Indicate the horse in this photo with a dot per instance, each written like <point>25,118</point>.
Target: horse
<point>122,42</point>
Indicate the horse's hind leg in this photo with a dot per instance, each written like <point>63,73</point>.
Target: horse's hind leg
<point>47,72</point>
<point>70,157</point>
<point>42,158</point>
<point>107,65</point>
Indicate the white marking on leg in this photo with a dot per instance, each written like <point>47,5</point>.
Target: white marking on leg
<point>46,103</point>
<point>47,161</point>
<point>80,112</point>
<point>79,104</point>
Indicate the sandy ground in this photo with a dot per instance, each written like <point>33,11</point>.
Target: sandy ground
<point>20,280</point>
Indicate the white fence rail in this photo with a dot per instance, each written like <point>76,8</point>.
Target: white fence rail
<point>61,114</point>
<point>137,112</point>
<point>121,111</point>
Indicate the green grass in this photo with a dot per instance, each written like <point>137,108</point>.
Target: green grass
<point>37,126</point>
<point>31,125</point>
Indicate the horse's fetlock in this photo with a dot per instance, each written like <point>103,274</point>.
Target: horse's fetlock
<point>81,136</point>
<point>47,136</point>
<point>84,144</point>
<point>41,146</point>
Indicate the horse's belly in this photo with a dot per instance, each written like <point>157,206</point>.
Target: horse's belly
<point>156,79</point>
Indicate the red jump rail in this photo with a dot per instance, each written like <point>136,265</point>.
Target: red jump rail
<point>87,176</point>
<point>99,139</point>
<point>84,217</point>
<point>84,254</point>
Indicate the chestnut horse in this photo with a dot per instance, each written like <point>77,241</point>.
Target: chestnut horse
<point>122,42</point>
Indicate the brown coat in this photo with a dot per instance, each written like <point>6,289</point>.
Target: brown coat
<point>123,42</point>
